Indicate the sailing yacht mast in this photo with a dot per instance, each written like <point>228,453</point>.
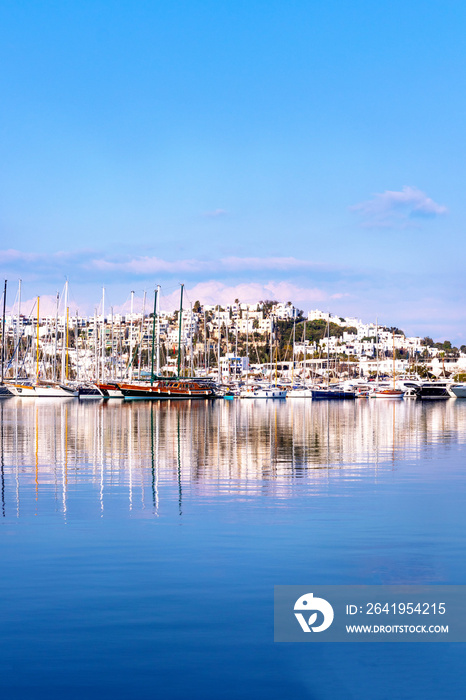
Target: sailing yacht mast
<point>247,347</point>
<point>141,335</point>
<point>157,311</point>
<point>76,345</point>
<point>96,361</point>
<point>17,329</point>
<point>328,351</point>
<point>180,320</point>
<point>377,345</point>
<point>54,372</point>
<point>393,338</point>
<point>191,358</point>
<point>305,354</point>
<point>63,351</point>
<point>153,339</point>
<point>131,339</point>
<point>102,374</point>
<point>67,339</point>
<point>3,333</point>
<point>206,360</point>
<point>271,348</point>
<point>37,341</point>
<point>113,352</point>
<point>219,367</point>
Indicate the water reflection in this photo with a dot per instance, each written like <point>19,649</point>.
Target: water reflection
<point>134,448</point>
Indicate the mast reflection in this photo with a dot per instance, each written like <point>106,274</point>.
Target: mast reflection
<point>240,447</point>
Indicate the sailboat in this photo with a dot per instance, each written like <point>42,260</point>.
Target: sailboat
<point>300,391</point>
<point>175,388</point>
<point>54,389</point>
<point>267,391</point>
<point>4,390</point>
<point>332,392</point>
<point>393,393</point>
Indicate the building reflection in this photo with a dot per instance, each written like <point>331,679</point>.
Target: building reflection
<point>145,451</point>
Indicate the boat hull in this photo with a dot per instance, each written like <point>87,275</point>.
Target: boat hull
<point>23,390</point>
<point>299,394</point>
<point>54,391</point>
<point>332,395</point>
<point>393,394</point>
<point>271,393</point>
<point>167,390</point>
<point>110,391</point>
<point>90,392</point>
<point>433,393</point>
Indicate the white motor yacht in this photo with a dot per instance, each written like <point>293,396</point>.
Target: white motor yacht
<point>266,392</point>
<point>434,390</point>
<point>458,390</point>
<point>299,392</point>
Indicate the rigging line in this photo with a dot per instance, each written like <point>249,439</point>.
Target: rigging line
<point>22,334</point>
<point>16,301</point>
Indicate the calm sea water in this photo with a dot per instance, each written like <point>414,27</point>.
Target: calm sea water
<point>140,543</point>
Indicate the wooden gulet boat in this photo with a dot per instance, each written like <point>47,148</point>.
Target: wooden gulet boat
<point>168,388</point>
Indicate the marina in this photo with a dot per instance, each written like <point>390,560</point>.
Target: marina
<point>41,360</point>
<point>208,352</point>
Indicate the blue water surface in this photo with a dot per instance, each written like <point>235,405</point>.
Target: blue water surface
<point>140,544</point>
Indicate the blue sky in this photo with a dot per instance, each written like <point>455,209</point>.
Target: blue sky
<point>313,150</point>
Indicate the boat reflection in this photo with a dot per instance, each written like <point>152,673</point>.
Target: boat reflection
<point>143,452</point>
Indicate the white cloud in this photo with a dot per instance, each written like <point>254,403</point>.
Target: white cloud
<point>150,266</point>
<point>215,213</point>
<point>277,263</point>
<point>396,208</point>
<point>339,295</point>
<point>215,292</point>
<point>153,265</point>
<point>61,263</point>
<point>47,306</point>
<point>13,256</point>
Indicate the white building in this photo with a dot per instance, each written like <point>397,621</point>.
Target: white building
<point>233,366</point>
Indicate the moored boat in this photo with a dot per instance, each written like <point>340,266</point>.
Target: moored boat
<point>333,393</point>
<point>458,390</point>
<point>89,391</point>
<point>170,389</point>
<point>25,389</point>
<point>434,390</point>
<point>110,390</point>
<point>54,390</point>
<point>265,392</point>
<point>299,392</point>
<point>380,393</point>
